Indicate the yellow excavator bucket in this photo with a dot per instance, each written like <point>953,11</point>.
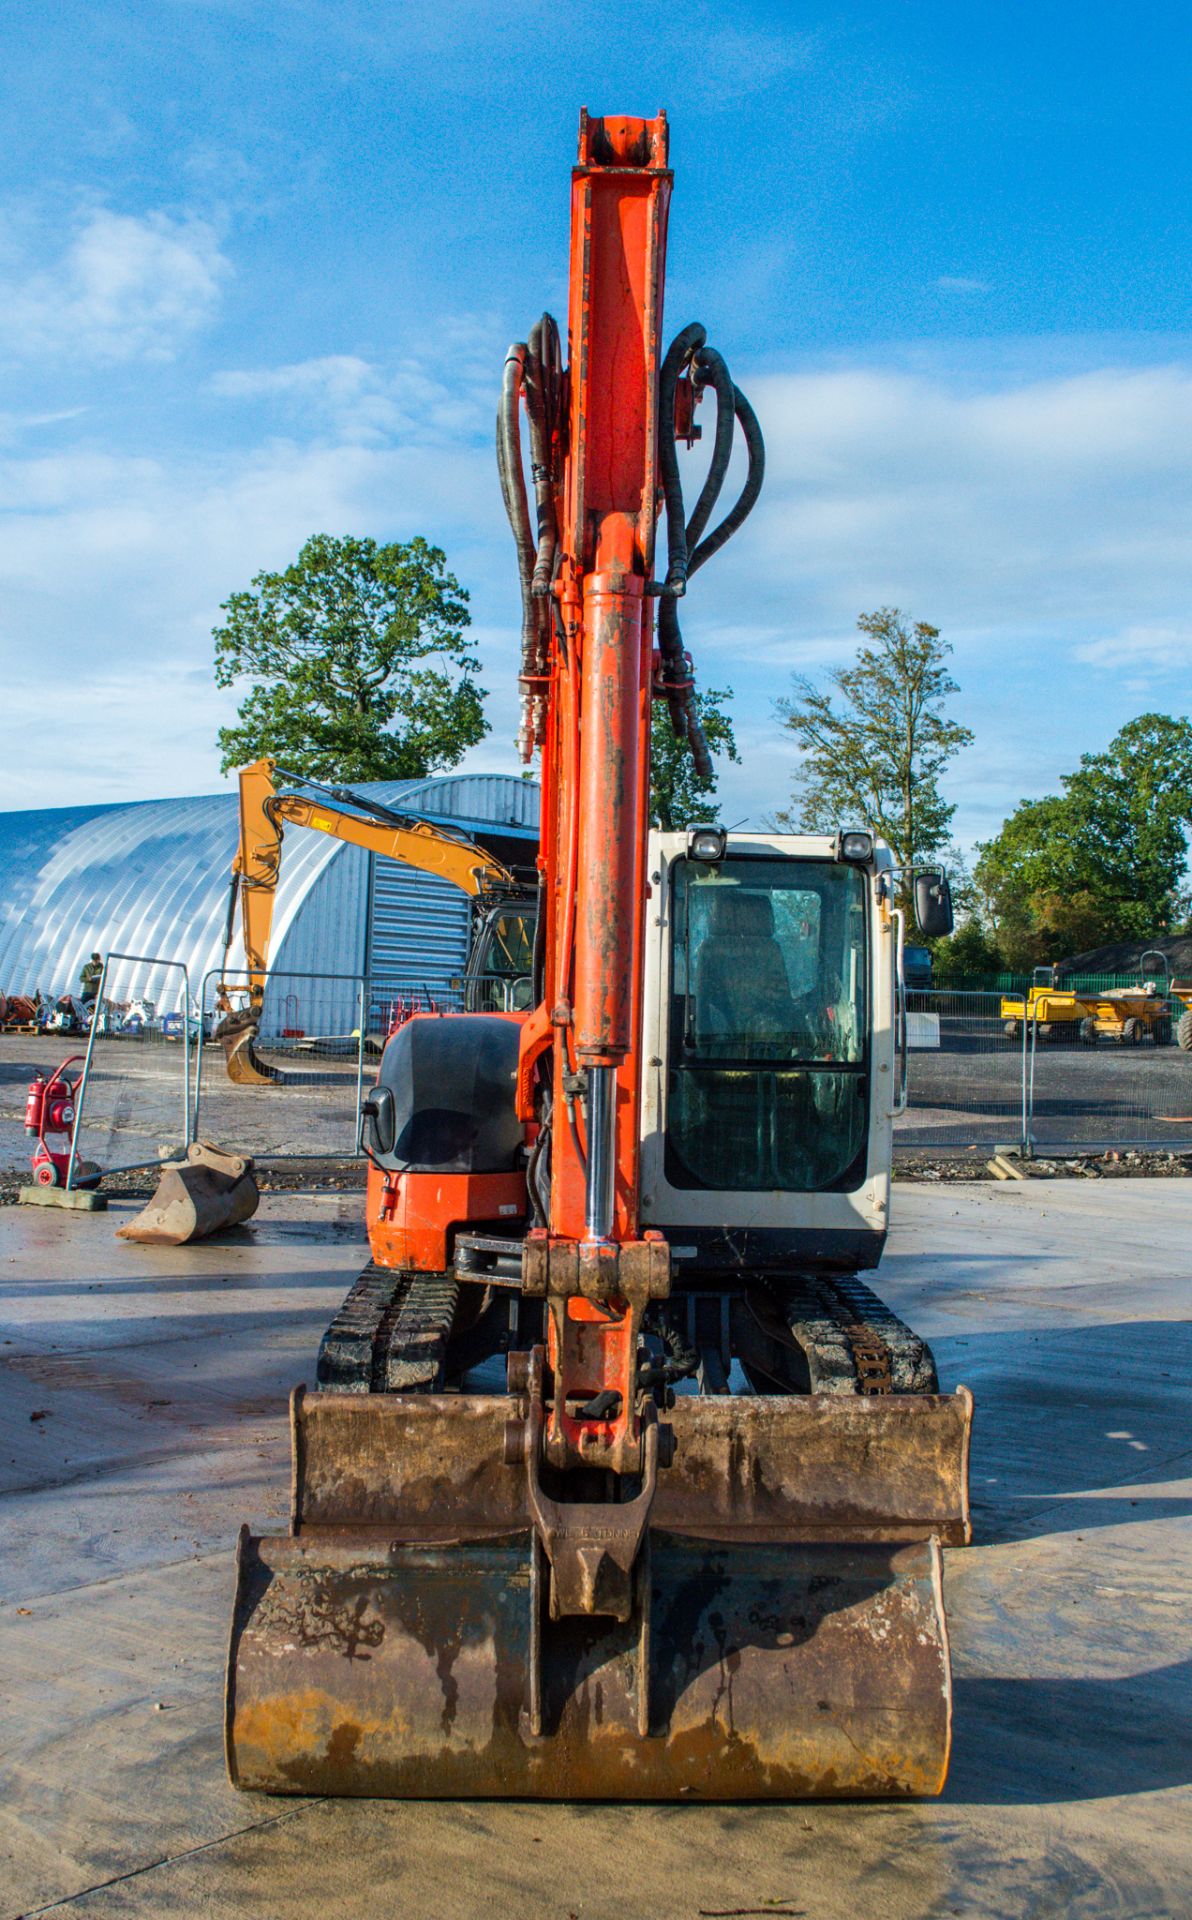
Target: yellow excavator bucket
<point>237,1034</point>
<point>786,1638</point>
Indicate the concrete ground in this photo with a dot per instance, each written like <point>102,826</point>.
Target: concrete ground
<point>142,1418</point>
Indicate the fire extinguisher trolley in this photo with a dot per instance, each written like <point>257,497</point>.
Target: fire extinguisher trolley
<point>50,1113</point>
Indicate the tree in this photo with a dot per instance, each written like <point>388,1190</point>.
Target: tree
<point>1104,859</point>
<point>967,951</point>
<point>357,663</point>
<point>678,797</point>
<point>875,744</point>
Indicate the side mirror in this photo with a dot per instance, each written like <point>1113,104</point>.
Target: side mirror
<point>378,1121</point>
<point>933,905</point>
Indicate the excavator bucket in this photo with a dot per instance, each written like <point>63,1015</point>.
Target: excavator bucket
<point>208,1191</point>
<point>236,1034</point>
<point>786,1638</point>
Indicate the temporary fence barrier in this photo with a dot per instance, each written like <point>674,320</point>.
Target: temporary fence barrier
<point>133,1107</point>
<point>1091,1094</point>
<point>312,1037</point>
<point>980,1076</point>
<point>966,1076</point>
<point>322,1035</point>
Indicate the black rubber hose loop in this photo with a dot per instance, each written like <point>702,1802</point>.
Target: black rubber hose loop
<point>513,492</point>
<point>682,348</point>
<point>711,371</point>
<point>747,499</point>
<point>543,383</point>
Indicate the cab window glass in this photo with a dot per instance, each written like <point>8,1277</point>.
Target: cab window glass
<point>767,1086</point>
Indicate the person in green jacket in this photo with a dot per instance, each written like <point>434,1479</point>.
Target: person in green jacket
<point>91,976</point>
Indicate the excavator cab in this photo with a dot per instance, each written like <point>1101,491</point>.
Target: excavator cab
<point>500,972</point>
<point>767,1058</point>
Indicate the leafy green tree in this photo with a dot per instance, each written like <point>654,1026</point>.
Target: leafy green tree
<point>875,743</point>
<point>678,797</point>
<point>357,664</point>
<point>1103,860</point>
<point>970,950</point>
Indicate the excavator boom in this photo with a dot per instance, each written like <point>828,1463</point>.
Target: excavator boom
<point>266,809</point>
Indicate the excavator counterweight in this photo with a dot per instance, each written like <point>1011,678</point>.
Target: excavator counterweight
<point>690,1544</point>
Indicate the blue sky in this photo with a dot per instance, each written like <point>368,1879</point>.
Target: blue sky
<point>260,265</point>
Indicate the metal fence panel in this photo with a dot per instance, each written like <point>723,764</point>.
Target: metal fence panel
<point>134,1104</point>
<point>965,1078</point>
<point>311,1110</point>
<point>981,1076</point>
<point>1106,1092</point>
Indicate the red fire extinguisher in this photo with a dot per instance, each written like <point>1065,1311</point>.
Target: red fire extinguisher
<point>50,1115</point>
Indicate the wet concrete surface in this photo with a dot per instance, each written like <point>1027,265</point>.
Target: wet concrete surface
<point>142,1419</point>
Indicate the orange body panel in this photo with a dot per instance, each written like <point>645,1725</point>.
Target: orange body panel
<point>413,1217</point>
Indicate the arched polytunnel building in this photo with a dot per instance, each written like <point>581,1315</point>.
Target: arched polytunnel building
<point>151,879</point>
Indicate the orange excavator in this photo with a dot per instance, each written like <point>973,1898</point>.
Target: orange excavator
<point>268,804</point>
<point>619,1482</point>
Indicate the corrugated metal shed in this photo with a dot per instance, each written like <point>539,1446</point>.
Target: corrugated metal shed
<point>152,879</point>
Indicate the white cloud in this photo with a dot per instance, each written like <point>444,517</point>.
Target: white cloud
<point>1059,503</point>
<point>360,402</point>
<point>1154,653</point>
<point>124,287</point>
<point>335,378</point>
<point>961,283</point>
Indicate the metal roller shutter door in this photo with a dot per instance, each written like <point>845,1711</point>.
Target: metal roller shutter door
<point>419,930</point>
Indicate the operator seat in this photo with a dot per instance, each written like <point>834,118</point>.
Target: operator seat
<point>742,993</point>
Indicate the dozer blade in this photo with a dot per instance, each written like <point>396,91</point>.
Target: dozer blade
<point>788,1639</point>
<point>206,1192</point>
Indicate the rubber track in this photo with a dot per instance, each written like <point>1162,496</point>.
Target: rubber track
<point>414,1337</point>
<point>843,1327</point>
<point>390,1335</point>
<point>345,1363</point>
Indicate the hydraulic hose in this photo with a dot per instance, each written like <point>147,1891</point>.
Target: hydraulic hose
<point>687,546</point>
<point>533,373</point>
<point>513,492</point>
<point>678,355</point>
<point>710,370</point>
<point>747,500</point>
<point>544,382</point>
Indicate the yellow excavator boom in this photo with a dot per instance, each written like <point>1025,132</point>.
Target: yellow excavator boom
<point>265,812</point>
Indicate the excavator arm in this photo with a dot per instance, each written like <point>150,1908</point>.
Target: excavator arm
<point>265,811</point>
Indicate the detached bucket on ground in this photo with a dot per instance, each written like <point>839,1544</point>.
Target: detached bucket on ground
<point>209,1191</point>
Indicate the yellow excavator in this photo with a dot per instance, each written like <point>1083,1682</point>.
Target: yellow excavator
<point>500,954</point>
